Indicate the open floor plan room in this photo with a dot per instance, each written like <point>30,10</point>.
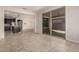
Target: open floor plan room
<point>39,29</point>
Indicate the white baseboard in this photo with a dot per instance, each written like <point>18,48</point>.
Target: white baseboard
<point>75,41</point>
<point>28,30</point>
<point>1,38</point>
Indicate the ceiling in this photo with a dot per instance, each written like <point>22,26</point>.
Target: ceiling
<point>32,8</point>
<point>9,14</point>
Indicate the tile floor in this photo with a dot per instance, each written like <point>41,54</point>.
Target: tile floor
<point>29,41</point>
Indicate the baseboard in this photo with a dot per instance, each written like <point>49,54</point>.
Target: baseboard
<point>28,30</point>
<point>73,41</point>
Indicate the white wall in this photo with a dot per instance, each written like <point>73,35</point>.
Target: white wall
<point>72,23</point>
<point>1,23</point>
<point>28,21</point>
<point>38,23</point>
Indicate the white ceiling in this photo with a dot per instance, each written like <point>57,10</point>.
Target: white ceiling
<point>32,8</point>
<point>9,14</point>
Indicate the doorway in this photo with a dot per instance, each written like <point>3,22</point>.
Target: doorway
<point>11,23</point>
<point>8,24</point>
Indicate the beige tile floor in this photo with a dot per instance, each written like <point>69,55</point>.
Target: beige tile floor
<point>29,41</point>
